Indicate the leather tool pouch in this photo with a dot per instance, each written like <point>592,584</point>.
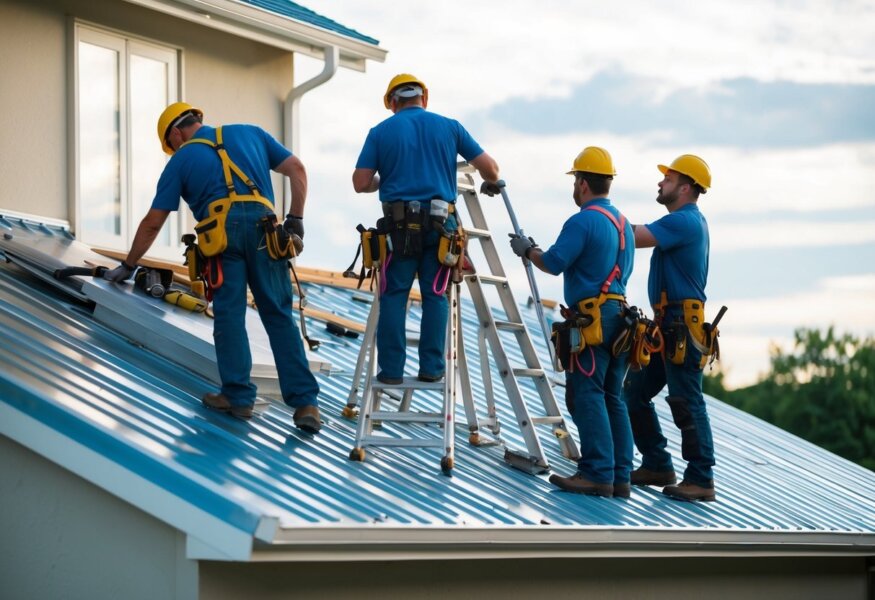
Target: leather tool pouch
<point>676,341</point>
<point>211,236</point>
<point>451,247</point>
<point>591,333</point>
<point>406,230</point>
<point>567,337</point>
<point>280,244</point>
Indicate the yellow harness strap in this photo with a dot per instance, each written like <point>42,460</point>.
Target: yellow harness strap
<point>229,167</point>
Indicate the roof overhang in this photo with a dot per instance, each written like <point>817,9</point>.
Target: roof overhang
<point>378,543</point>
<point>253,23</point>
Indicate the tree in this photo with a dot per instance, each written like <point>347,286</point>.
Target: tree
<point>823,390</point>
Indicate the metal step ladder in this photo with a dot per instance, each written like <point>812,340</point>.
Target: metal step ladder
<point>371,416</point>
<point>489,335</point>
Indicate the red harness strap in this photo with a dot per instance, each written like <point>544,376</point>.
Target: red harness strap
<point>621,229</point>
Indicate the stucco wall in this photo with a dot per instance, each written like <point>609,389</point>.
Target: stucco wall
<point>814,578</point>
<point>65,538</point>
<point>230,78</point>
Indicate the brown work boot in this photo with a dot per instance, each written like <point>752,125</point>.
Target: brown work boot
<point>307,418</point>
<point>642,476</point>
<point>690,491</point>
<point>581,485</point>
<point>221,403</point>
<point>622,490</point>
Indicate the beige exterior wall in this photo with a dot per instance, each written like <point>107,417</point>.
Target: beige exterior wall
<point>798,578</point>
<point>230,78</point>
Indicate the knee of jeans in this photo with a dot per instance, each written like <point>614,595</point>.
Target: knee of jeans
<point>680,412</point>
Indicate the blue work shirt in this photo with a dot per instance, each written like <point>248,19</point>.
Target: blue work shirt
<point>587,250</point>
<point>195,173</point>
<point>679,264</point>
<point>415,153</point>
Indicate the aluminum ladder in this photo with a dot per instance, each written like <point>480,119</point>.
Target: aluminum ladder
<point>533,460</point>
<point>371,417</point>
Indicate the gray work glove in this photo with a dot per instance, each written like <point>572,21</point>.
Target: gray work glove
<point>490,189</point>
<point>294,225</point>
<point>120,273</point>
<point>521,245</point>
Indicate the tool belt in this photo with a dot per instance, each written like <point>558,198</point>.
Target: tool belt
<point>641,338</point>
<point>582,327</point>
<point>690,328</point>
<point>204,273</point>
<point>211,236</point>
<point>281,245</point>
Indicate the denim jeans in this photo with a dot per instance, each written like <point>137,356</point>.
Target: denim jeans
<point>688,411</point>
<point>391,327</point>
<point>246,260</point>
<point>596,407</point>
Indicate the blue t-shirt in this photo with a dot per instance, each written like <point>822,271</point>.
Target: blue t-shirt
<point>195,171</point>
<point>415,152</point>
<point>587,250</point>
<point>679,264</point>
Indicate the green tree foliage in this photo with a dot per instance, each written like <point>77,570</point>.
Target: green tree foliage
<point>823,391</point>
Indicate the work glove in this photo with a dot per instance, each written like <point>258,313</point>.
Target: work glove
<point>120,273</point>
<point>294,225</point>
<point>490,189</point>
<point>521,245</point>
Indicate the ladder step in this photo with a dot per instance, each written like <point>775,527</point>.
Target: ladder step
<point>509,326</point>
<point>388,416</point>
<point>493,279</point>
<point>478,233</point>
<point>546,420</point>
<point>408,383</point>
<point>377,440</point>
<point>528,372</point>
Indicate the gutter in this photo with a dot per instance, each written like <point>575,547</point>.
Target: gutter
<point>292,111</point>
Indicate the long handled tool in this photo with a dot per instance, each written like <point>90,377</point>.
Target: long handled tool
<point>530,273</point>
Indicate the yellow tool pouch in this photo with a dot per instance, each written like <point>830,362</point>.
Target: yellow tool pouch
<point>451,247</point>
<point>591,308</point>
<point>703,335</point>
<point>374,248</point>
<point>211,236</point>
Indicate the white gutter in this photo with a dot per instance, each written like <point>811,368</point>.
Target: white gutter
<point>292,110</point>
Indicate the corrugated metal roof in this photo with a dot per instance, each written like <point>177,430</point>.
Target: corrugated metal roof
<point>89,387</point>
<point>300,13</point>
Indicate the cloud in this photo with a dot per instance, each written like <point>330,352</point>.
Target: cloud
<point>741,112</point>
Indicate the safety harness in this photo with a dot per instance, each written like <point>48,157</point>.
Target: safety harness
<point>582,327</point>
<point>204,259</point>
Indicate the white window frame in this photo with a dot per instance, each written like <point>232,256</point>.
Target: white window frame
<point>126,45</point>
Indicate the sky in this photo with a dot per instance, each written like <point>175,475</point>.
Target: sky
<point>776,96</point>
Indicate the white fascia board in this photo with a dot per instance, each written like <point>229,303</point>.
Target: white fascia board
<point>253,23</point>
<point>209,536</point>
<point>462,543</point>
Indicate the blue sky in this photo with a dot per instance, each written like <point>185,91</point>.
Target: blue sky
<point>775,95</point>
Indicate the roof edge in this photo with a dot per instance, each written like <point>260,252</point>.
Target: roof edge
<point>263,26</point>
<point>427,543</point>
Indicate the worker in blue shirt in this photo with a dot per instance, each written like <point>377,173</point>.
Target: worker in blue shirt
<point>676,287</point>
<point>195,173</point>
<point>594,252</point>
<point>411,159</point>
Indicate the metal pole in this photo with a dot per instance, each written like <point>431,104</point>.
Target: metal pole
<point>530,274</point>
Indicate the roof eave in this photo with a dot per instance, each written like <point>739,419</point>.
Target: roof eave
<point>263,26</point>
<point>413,543</point>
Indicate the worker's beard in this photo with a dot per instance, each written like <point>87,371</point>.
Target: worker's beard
<point>667,199</point>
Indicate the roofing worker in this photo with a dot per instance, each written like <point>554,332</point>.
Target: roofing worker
<point>411,159</point>
<point>197,173</point>
<point>676,287</point>
<point>595,254</point>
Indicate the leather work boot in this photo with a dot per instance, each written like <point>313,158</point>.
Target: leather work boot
<point>690,491</point>
<point>307,418</point>
<point>642,476</point>
<point>581,485</point>
<point>622,490</point>
<point>221,403</point>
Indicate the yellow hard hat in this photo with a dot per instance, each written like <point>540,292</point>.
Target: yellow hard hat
<point>693,167</point>
<point>169,116</point>
<point>593,159</point>
<point>401,79</point>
